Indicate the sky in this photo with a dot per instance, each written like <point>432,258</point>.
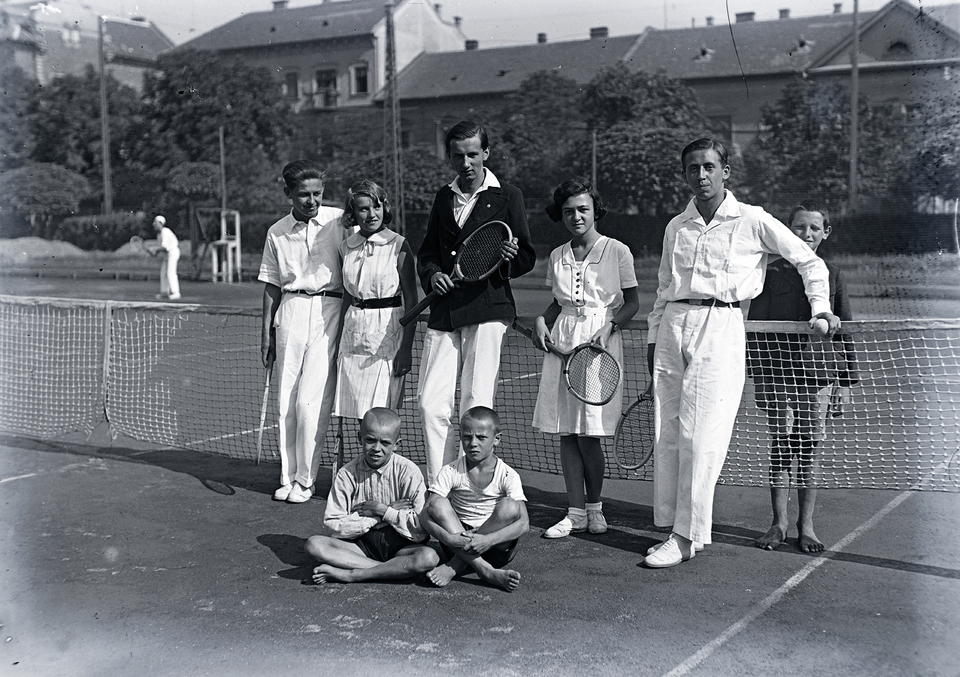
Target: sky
<point>494,23</point>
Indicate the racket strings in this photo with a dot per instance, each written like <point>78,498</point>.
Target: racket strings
<point>481,253</point>
<point>633,443</point>
<point>593,374</point>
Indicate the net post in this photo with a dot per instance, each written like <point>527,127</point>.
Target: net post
<point>107,352</point>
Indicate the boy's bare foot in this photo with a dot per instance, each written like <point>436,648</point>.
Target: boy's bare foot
<point>809,542</point>
<point>441,575</point>
<point>773,539</point>
<point>326,573</point>
<point>505,579</point>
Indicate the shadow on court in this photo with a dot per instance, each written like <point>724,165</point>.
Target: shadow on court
<point>118,557</point>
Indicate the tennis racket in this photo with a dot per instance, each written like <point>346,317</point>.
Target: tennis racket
<point>263,408</point>
<point>477,259</point>
<point>592,374</point>
<point>633,439</point>
<point>137,243</point>
<point>338,461</point>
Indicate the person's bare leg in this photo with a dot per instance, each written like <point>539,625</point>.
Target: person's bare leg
<point>440,513</point>
<point>337,558</point>
<point>408,563</point>
<point>507,512</point>
<point>780,459</point>
<point>807,497</point>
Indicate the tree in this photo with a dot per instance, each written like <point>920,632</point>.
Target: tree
<point>66,125</point>
<point>803,149</point>
<point>617,94</point>
<point>19,103</point>
<point>642,122</point>
<point>188,99</point>
<point>935,171</point>
<point>42,191</point>
<point>539,131</point>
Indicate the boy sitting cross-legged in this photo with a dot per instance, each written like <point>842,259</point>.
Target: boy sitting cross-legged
<point>476,507</point>
<point>372,512</point>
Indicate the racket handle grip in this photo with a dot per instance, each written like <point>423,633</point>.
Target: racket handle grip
<point>414,312</point>
<point>526,331</point>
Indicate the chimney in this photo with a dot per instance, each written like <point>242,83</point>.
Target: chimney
<point>279,4</point>
<point>471,45</point>
<point>784,13</point>
<point>709,20</point>
<point>837,6</point>
<point>541,38</point>
<point>744,17</point>
<point>599,32</point>
<point>457,20</point>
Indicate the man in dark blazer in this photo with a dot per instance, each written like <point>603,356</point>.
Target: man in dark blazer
<point>468,321</point>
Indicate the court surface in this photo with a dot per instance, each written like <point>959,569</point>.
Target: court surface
<point>120,558</point>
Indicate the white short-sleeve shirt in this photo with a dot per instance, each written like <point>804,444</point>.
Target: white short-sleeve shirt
<point>473,504</point>
<point>301,256</point>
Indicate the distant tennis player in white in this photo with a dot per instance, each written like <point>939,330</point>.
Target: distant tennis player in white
<point>467,323</point>
<point>170,246</point>
<point>714,256</point>
<point>594,292</point>
<point>300,270</point>
<point>380,281</point>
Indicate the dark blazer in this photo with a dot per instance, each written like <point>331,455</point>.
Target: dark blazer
<point>475,302</point>
<point>783,298</point>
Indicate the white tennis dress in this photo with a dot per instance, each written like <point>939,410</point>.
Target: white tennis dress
<point>371,336</point>
<point>589,293</point>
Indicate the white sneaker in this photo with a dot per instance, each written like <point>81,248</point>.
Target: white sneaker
<point>174,297</point>
<point>669,554</point>
<point>283,492</point>
<point>565,527</point>
<point>697,547</point>
<point>298,494</point>
<point>596,522</point>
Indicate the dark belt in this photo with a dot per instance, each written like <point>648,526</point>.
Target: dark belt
<point>304,292</point>
<point>716,303</point>
<point>392,302</point>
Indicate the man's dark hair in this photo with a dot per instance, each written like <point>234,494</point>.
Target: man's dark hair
<point>298,171</point>
<point>466,130</point>
<point>705,144</point>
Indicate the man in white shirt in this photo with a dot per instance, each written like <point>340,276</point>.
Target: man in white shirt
<point>170,246</point>
<point>714,256</point>
<point>302,292</point>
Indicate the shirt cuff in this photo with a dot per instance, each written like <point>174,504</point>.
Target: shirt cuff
<point>818,307</point>
<point>392,515</point>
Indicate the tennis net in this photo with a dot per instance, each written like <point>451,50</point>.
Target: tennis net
<point>190,377</point>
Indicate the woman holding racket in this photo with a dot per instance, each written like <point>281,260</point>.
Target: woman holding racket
<point>595,291</point>
<point>379,281</point>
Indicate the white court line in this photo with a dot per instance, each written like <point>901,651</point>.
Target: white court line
<point>686,666</point>
<point>18,477</point>
<point>691,663</point>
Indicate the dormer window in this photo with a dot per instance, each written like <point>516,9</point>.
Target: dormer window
<point>704,54</point>
<point>291,85</point>
<point>899,50</point>
<point>802,46</point>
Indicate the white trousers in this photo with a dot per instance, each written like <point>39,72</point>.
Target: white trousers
<point>169,282</point>
<point>307,329</point>
<point>473,352</point>
<point>698,376</point>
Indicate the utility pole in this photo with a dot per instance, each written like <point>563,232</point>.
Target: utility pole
<point>392,147</point>
<point>223,172</point>
<point>104,122</point>
<point>854,106</point>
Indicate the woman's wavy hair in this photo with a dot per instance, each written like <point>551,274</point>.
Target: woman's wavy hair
<point>372,190</point>
<point>569,189</point>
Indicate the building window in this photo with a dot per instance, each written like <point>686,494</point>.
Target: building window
<point>360,80</point>
<point>325,93</point>
<point>899,51</point>
<point>291,85</point>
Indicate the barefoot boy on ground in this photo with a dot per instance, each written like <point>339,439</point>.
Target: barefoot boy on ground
<point>372,512</point>
<point>476,507</point>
